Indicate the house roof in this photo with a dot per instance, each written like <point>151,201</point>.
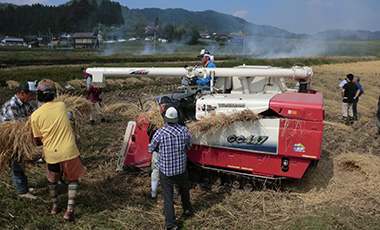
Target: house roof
<point>12,39</point>
<point>84,35</point>
<point>151,28</point>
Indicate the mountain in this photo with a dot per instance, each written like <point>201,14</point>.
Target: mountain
<point>347,35</point>
<point>211,21</point>
<point>85,15</point>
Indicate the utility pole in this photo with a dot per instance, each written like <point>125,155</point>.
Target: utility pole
<point>154,42</point>
<point>49,35</point>
<point>245,38</point>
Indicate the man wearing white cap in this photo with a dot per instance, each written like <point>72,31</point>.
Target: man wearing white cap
<point>173,141</point>
<point>207,60</point>
<point>19,108</point>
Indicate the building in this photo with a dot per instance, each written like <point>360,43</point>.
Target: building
<point>204,35</point>
<point>85,40</point>
<point>12,41</point>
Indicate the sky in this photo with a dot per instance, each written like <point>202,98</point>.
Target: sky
<point>296,16</point>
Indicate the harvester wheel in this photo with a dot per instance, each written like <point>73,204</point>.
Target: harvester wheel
<point>248,187</point>
<point>236,184</point>
<point>218,181</point>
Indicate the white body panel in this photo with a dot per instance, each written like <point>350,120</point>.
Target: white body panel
<point>126,144</point>
<point>228,103</point>
<point>253,136</point>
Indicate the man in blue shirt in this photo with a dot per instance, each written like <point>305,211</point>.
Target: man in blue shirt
<point>173,141</point>
<point>355,103</point>
<point>207,60</point>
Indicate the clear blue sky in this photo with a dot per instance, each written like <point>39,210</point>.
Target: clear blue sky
<point>296,16</point>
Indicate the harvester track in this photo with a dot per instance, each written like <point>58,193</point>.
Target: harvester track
<point>218,179</point>
<point>210,177</point>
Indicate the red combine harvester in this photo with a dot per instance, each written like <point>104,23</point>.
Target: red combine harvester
<point>281,144</point>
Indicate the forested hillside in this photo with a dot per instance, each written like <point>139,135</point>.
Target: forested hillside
<point>82,15</point>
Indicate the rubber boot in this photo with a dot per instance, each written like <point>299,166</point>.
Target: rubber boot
<point>345,120</point>
<point>350,120</point>
<point>154,189</point>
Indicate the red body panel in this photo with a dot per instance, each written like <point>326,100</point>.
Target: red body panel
<point>292,133</point>
<point>302,106</point>
<point>138,155</point>
<point>255,163</point>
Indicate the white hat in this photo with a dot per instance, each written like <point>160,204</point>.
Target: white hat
<point>171,115</point>
<point>210,56</point>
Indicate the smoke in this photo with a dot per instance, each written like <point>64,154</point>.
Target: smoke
<point>110,48</point>
<point>284,48</point>
<point>251,47</point>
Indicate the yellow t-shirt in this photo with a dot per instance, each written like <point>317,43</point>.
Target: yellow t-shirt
<point>52,123</point>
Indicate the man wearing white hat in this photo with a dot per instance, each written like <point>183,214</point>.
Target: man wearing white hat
<point>173,141</point>
<point>207,60</point>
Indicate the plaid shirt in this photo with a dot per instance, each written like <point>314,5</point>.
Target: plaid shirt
<point>15,109</point>
<point>173,141</point>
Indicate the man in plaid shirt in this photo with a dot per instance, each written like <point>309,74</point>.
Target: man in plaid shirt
<point>173,141</point>
<point>19,108</point>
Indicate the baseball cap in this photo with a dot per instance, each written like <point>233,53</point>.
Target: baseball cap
<point>203,52</point>
<point>164,100</point>
<point>46,88</point>
<point>27,86</point>
<point>171,115</point>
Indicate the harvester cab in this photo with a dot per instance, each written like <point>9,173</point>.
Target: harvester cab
<point>282,142</point>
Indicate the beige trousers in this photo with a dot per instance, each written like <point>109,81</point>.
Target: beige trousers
<point>347,109</point>
<point>97,109</point>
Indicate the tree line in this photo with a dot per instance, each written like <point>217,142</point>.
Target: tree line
<point>79,16</point>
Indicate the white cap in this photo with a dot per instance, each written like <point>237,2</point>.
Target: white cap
<point>171,115</point>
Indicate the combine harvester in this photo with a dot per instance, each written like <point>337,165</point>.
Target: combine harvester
<point>281,144</point>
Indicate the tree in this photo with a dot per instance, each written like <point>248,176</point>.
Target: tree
<point>156,22</point>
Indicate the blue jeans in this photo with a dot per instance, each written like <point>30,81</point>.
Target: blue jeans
<point>19,178</point>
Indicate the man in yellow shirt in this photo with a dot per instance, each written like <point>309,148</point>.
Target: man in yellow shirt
<point>51,127</point>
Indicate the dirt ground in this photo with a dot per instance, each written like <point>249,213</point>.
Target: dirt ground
<point>343,191</point>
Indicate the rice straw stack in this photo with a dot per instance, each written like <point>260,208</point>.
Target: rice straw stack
<point>79,106</point>
<point>18,143</point>
<point>12,84</point>
<point>17,140</point>
<point>151,113</point>
<point>212,125</point>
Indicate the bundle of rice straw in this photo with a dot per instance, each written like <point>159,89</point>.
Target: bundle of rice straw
<point>79,106</point>
<point>150,113</point>
<point>17,140</point>
<point>118,107</point>
<point>212,125</point>
<point>77,84</point>
<point>12,84</point>
<point>17,143</point>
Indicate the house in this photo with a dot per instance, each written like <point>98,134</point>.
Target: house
<point>85,40</point>
<point>12,41</point>
<point>150,30</point>
<point>204,35</point>
<point>218,36</point>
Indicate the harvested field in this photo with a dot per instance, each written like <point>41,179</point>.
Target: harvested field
<point>342,192</point>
